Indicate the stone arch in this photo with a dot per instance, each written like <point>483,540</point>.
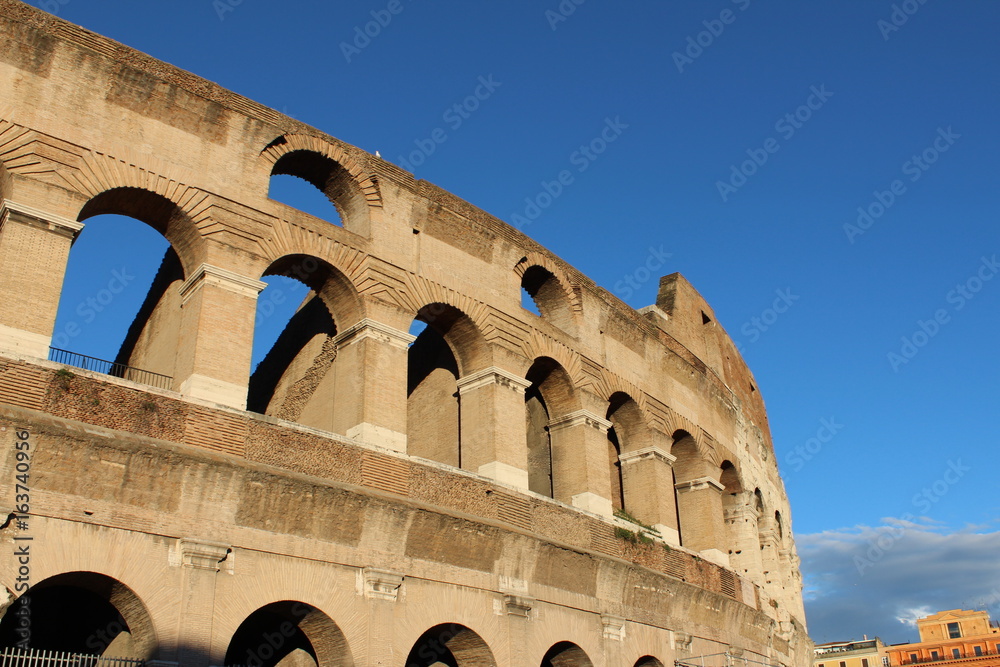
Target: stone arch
<point>460,332</point>
<point>691,461</point>
<point>85,612</point>
<point>167,217</point>
<point>154,336</point>
<point>297,378</point>
<point>450,347</point>
<point>550,395</point>
<point>641,473</point>
<point>740,520</point>
<point>327,167</point>
<point>566,654</point>
<point>552,296</point>
<point>629,422</point>
<point>328,282</point>
<point>729,477</point>
<point>699,499</point>
<point>287,628</point>
<point>450,644</point>
<point>648,661</point>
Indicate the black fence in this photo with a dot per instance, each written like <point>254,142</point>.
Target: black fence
<point>110,368</point>
<point>10,657</point>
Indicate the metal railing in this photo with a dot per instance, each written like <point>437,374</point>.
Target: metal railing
<point>11,657</point>
<point>111,368</point>
<point>944,658</point>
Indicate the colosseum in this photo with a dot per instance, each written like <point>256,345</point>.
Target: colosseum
<point>590,485</point>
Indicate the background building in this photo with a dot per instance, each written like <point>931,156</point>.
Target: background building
<point>954,637</point>
<point>864,653</point>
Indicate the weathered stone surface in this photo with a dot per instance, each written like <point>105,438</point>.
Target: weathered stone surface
<point>385,495</point>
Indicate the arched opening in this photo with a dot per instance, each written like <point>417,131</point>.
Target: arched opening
<point>566,654</point>
<point>628,433</point>
<point>302,195</point>
<point>536,419</point>
<point>732,491</point>
<point>687,467</point>
<point>549,396</point>
<point>648,661</point>
<point>549,296</point>
<point>432,401</point>
<point>450,645</point>
<point>778,527</point>
<point>82,612</point>
<point>290,634</point>
<point>615,467</point>
<point>120,311</point>
<point>327,176</point>
<point>734,515</point>
<point>299,315</point>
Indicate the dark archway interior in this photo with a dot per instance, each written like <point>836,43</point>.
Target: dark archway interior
<point>270,635</point>
<point>65,618</point>
<point>566,654</point>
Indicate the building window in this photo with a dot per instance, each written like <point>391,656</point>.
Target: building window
<point>953,631</point>
<point>955,653</point>
<point>843,664</point>
<point>934,655</point>
<point>864,662</point>
<point>885,661</point>
<point>913,657</point>
<point>978,650</point>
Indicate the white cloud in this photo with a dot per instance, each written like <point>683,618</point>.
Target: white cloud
<point>871,579</point>
<point>912,615</point>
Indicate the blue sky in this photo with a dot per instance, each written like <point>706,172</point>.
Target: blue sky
<point>835,159</point>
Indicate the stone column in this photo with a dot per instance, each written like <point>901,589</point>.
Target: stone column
<point>494,442</point>
<point>34,247</point>
<point>371,384</point>
<point>648,481</point>
<point>699,503</point>
<point>580,474</point>
<point>200,562</point>
<point>217,325</point>
<point>741,521</point>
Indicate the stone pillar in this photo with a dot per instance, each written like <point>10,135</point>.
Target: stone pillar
<point>200,562</point>
<point>614,636</point>
<point>699,503</point>
<point>741,520</point>
<point>382,590</point>
<point>520,610</point>
<point>580,474</point>
<point>648,480</point>
<point>494,442</point>
<point>217,325</point>
<point>34,247</point>
<point>371,384</point>
<point>771,560</point>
